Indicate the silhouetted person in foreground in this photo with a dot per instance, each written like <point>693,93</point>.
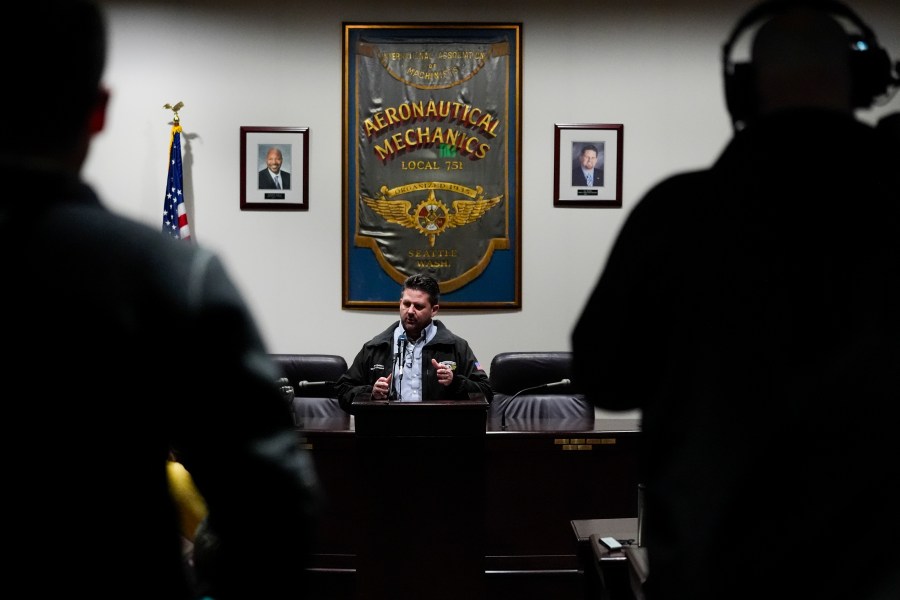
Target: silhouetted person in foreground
<point>752,312</point>
<point>121,344</point>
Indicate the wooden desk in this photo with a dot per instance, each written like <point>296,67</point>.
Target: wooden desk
<point>537,480</point>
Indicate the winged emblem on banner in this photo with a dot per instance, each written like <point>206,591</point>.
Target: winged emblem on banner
<point>431,217</point>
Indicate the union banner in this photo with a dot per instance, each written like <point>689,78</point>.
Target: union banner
<point>431,162</point>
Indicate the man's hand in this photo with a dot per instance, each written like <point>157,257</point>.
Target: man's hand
<point>444,373</point>
<point>382,387</point>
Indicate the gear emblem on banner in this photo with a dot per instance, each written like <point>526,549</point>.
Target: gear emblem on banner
<point>431,216</point>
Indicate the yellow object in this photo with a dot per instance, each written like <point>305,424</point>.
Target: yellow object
<point>191,505</point>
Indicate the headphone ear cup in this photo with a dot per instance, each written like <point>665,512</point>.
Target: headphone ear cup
<point>871,71</point>
<point>740,93</point>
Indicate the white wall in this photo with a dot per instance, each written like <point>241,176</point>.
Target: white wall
<point>653,66</point>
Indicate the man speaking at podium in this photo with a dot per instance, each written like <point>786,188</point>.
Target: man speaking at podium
<point>416,359</point>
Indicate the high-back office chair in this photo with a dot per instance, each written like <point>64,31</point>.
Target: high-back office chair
<point>312,377</point>
<point>561,406</point>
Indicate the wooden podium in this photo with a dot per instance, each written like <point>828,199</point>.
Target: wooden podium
<point>422,480</point>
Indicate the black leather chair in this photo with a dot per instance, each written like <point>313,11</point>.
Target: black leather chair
<point>312,378</point>
<point>557,407</point>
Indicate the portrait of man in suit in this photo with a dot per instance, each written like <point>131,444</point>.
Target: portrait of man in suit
<point>273,177</point>
<point>587,169</point>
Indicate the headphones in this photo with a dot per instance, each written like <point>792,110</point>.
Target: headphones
<point>870,66</point>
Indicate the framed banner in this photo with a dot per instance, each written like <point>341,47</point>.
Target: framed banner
<point>588,165</point>
<point>274,166</point>
<point>431,159</point>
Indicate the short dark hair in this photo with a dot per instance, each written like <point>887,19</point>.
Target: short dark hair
<point>424,283</point>
<point>587,147</point>
<point>57,74</point>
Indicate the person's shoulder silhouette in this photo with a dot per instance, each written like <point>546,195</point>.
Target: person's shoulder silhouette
<point>749,311</point>
<point>140,327</point>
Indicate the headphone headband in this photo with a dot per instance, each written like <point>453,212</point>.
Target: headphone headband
<point>771,8</point>
<point>870,65</point>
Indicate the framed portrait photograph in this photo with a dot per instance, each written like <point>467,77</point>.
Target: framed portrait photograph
<point>588,165</point>
<point>274,166</point>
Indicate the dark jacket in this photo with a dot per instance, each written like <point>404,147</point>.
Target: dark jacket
<point>267,183</point>
<point>376,358</point>
<point>579,180</point>
<point>751,312</point>
<point>128,344</point>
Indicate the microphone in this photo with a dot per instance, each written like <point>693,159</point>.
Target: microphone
<point>557,383</point>
<point>535,388</point>
<point>304,383</point>
<point>394,393</point>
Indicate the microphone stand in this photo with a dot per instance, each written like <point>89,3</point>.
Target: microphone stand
<point>510,401</point>
<point>529,389</point>
<point>401,342</point>
<point>394,393</point>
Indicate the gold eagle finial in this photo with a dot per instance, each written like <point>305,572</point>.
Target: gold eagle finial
<point>174,109</point>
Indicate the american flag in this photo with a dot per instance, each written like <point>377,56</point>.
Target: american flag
<point>175,219</point>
